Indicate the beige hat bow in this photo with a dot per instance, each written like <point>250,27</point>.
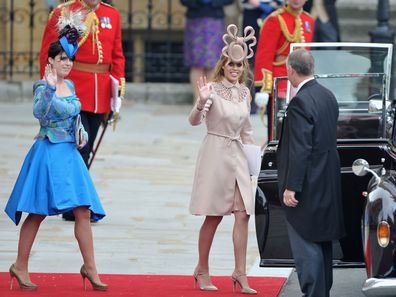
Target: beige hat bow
<point>236,48</point>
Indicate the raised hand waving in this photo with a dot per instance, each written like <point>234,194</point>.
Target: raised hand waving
<point>50,75</point>
<point>204,90</point>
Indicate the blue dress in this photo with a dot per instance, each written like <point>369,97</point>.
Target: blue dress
<point>54,178</point>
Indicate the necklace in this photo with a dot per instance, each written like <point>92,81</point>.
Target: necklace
<point>226,92</point>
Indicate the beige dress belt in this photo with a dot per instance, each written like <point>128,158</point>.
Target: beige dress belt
<point>230,138</point>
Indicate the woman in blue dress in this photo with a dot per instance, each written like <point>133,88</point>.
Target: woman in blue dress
<point>54,178</point>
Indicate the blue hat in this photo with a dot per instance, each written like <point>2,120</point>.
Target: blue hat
<point>69,48</point>
<point>71,27</point>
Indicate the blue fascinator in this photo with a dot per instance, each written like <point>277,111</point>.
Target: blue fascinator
<point>71,27</point>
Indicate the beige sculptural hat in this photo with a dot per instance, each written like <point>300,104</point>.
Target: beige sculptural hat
<point>236,48</point>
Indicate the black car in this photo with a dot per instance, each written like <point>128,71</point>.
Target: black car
<point>359,76</point>
<point>379,225</point>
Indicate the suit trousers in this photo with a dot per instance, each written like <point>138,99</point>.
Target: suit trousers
<point>314,264</point>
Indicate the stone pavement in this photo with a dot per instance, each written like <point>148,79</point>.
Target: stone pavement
<point>143,173</point>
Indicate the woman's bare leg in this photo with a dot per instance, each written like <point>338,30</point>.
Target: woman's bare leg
<point>27,235</point>
<point>83,234</point>
<point>206,235</point>
<point>240,237</point>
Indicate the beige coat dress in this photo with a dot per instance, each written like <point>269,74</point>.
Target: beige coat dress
<point>222,167</point>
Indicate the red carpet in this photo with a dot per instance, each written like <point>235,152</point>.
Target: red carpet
<point>70,285</point>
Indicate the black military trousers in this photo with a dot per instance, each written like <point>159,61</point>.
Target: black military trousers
<point>91,122</point>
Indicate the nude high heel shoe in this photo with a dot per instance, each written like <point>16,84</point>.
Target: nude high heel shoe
<point>97,286</point>
<point>23,285</point>
<point>245,290</point>
<point>210,287</point>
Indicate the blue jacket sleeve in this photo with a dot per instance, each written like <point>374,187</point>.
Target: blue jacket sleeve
<point>43,95</point>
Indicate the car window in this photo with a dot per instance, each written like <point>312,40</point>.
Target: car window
<point>351,58</point>
<point>359,77</point>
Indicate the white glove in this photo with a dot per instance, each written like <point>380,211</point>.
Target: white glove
<point>261,99</point>
<point>115,104</point>
<point>207,106</point>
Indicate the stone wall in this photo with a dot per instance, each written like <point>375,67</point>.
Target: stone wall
<point>358,17</point>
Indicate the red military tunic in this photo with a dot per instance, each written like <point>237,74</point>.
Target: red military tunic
<point>99,54</point>
<point>280,28</point>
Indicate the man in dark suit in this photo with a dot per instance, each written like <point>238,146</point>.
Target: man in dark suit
<point>309,177</point>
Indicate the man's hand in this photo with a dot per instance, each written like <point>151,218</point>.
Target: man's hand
<point>289,198</point>
<point>115,104</point>
<point>261,99</point>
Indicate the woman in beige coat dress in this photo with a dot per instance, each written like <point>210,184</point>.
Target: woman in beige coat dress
<point>222,182</point>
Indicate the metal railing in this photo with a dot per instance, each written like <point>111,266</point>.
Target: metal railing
<point>152,39</point>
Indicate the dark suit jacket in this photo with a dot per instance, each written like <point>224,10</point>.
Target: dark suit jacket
<point>308,163</point>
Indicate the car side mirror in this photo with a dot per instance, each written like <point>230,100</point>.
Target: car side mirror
<point>360,166</point>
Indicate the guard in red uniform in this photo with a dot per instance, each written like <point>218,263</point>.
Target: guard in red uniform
<point>99,57</point>
<point>288,24</point>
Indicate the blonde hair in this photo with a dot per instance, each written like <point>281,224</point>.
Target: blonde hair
<point>218,74</point>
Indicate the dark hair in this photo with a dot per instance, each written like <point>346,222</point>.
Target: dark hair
<point>301,61</point>
<point>55,49</point>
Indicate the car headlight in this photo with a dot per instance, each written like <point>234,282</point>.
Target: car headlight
<point>383,233</point>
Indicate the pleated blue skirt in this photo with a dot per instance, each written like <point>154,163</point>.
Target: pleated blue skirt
<point>53,180</point>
